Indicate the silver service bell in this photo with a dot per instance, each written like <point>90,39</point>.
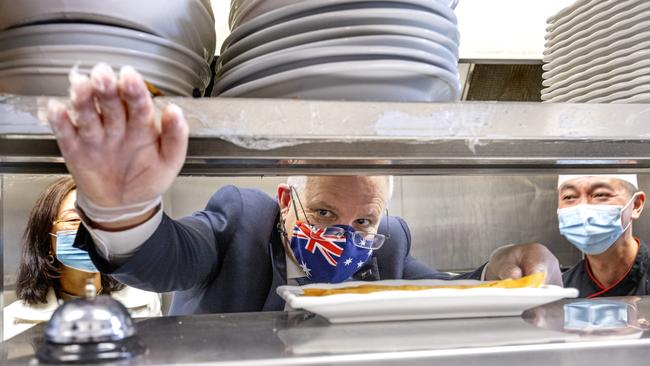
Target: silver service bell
<point>91,329</point>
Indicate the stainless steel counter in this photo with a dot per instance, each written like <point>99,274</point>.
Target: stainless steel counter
<point>297,338</point>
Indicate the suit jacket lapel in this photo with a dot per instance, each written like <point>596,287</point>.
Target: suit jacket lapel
<point>279,271</point>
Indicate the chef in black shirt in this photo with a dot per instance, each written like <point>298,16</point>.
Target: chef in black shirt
<point>596,213</point>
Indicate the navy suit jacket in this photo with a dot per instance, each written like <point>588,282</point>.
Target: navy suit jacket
<point>230,258</point>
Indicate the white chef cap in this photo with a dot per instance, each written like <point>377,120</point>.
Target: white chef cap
<point>630,178</point>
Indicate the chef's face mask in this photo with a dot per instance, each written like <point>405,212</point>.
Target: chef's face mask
<point>70,256</point>
<point>593,228</point>
<point>330,254</point>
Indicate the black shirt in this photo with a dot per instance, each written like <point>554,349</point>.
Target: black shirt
<point>635,281</point>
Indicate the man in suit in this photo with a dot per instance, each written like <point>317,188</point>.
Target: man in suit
<point>231,256</point>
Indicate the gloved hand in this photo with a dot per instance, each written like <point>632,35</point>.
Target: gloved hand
<point>112,146</point>
<point>518,260</point>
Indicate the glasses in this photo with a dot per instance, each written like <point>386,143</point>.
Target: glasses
<point>71,222</point>
<point>361,239</point>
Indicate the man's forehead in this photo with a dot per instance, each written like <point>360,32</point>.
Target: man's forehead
<point>587,182</point>
<point>359,188</point>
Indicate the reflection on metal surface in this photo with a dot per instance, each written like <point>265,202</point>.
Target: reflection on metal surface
<point>599,314</point>
<point>595,319</point>
<point>297,338</point>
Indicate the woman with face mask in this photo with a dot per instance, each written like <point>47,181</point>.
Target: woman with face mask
<point>52,271</point>
<point>595,214</point>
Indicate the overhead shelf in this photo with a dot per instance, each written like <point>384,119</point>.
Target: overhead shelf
<point>277,137</point>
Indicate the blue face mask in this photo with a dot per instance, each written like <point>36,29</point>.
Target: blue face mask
<point>70,256</point>
<point>327,255</point>
<point>592,228</point>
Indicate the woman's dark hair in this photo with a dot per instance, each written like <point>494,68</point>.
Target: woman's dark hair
<point>37,273</point>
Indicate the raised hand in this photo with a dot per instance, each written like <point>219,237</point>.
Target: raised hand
<point>115,150</point>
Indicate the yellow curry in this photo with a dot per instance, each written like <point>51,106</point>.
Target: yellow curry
<point>534,280</point>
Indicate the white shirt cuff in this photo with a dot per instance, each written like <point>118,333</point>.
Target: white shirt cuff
<point>118,246</point>
<point>483,272</point>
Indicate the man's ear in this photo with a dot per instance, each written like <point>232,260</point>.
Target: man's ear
<point>284,197</point>
<point>639,204</point>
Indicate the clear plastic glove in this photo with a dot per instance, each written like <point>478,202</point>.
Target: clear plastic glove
<point>116,152</point>
<point>518,260</point>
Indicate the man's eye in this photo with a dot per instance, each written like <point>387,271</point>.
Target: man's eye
<point>568,197</point>
<point>364,222</point>
<point>324,213</point>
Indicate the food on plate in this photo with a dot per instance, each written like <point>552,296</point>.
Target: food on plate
<point>534,280</point>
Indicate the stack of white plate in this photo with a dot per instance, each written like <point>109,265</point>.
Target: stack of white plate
<point>170,42</point>
<point>597,51</point>
<point>382,50</point>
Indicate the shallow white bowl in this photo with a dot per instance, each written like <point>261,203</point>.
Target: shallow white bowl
<point>102,35</point>
<point>355,16</point>
<point>253,9</point>
<point>348,18</point>
<point>187,22</point>
<point>255,46</point>
<point>405,42</point>
<point>54,81</point>
<point>114,56</point>
<point>287,60</point>
<point>377,80</point>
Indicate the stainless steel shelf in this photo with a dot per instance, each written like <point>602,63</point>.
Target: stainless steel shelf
<point>277,137</point>
<point>298,338</point>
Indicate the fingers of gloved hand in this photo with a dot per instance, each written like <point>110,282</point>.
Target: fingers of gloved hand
<point>510,270</point>
<point>537,258</point>
<point>174,135</point>
<point>84,109</point>
<point>554,277</point>
<point>137,99</point>
<point>62,126</point>
<point>113,113</point>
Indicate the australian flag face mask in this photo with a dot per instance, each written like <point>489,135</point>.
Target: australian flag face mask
<point>329,254</point>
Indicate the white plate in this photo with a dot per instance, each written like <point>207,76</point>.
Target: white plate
<point>257,44</point>
<point>311,10</point>
<point>599,27</point>
<point>184,21</point>
<point>426,304</point>
<point>578,12</point>
<point>282,61</point>
<point>102,35</point>
<point>613,91</point>
<point>53,81</point>
<point>639,98</point>
<point>348,18</point>
<point>616,40</point>
<point>587,15</point>
<point>114,56</point>
<point>631,90</point>
<point>281,9</point>
<point>377,80</point>
<point>564,12</point>
<point>409,46</point>
<point>617,52</point>
<point>585,90</point>
<point>568,79</point>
